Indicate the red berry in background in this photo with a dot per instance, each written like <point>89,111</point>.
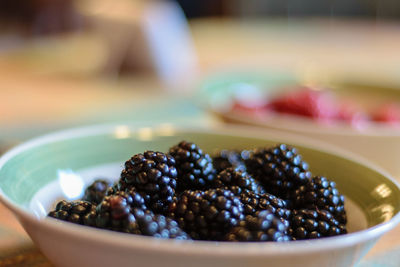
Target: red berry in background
<point>353,114</point>
<point>306,102</point>
<point>319,105</point>
<point>387,113</point>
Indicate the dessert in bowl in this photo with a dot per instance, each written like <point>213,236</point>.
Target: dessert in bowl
<point>37,174</point>
<point>364,119</point>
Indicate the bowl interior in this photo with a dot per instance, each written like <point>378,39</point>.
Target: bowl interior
<point>35,175</point>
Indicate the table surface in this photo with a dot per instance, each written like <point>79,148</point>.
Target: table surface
<point>221,45</point>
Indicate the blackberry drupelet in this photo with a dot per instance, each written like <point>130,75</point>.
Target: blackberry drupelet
<point>159,226</point>
<point>195,169</point>
<point>80,212</point>
<point>321,193</point>
<point>115,188</point>
<point>116,213</point>
<point>280,169</point>
<point>230,158</point>
<point>264,226</point>
<point>153,175</point>
<point>310,224</point>
<point>254,203</point>
<point>208,215</point>
<point>138,200</point>
<point>96,191</point>
<point>234,177</point>
<point>119,185</point>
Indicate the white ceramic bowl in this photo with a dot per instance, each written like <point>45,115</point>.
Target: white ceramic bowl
<point>36,174</point>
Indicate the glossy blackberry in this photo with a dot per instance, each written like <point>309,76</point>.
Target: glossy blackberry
<point>254,203</point>
<point>154,175</point>
<point>235,177</point>
<point>280,169</point>
<point>159,226</point>
<point>80,212</point>
<point>310,224</point>
<point>208,215</point>
<point>230,158</point>
<point>96,191</point>
<point>116,213</point>
<point>195,169</point>
<point>321,193</point>
<point>264,226</point>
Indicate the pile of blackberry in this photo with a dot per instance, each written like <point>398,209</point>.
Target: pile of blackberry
<point>264,194</point>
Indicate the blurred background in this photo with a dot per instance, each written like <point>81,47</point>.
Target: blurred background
<point>386,9</point>
<point>69,63</point>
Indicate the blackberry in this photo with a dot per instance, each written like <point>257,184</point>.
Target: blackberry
<point>195,169</point>
<point>153,174</point>
<point>310,224</point>
<point>230,158</point>
<point>280,169</point>
<point>321,193</point>
<point>80,212</point>
<point>96,191</point>
<point>159,226</point>
<point>116,213</point>
<point>234,177</point>
<point>208,215</point>
<point>254,203</point>
<point>265,226</point>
